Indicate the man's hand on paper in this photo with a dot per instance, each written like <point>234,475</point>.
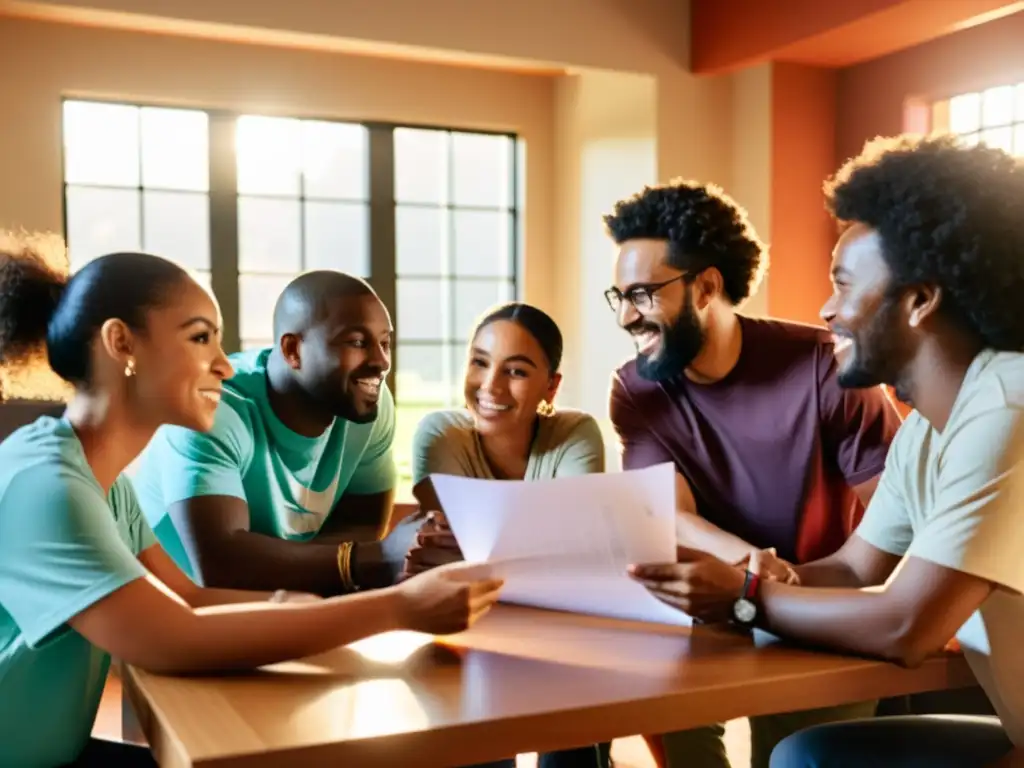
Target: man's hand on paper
<point>435,545</point>
<point>699,584</point>
<point>705,587</point>
<point>768,565</point>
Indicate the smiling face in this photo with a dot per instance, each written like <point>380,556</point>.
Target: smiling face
<point>346,356</point>
<point>867,319</point>
<point>178,360</point>
<point>507,377</point>
<point>667,333</point>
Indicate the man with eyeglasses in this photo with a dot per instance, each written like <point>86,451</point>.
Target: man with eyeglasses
<point>771,454</point>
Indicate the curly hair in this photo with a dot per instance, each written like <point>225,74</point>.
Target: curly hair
<point>33,266</point>
<point>704,228</point>
<point>33,275</point>
<point>43,311</point>
<point>947,214</point>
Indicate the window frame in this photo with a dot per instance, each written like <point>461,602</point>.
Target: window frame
<point>223,198</point>
<point>939,115</point>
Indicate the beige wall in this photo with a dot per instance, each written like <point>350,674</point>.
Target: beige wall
<point>606,149</point>
<point>649,36</point>
<point>752,160</point>
<point>57,60</point>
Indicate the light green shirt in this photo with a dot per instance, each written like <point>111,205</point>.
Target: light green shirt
<point>956,498</point>
<point>290,483</point>
<point>567,443</point>
<point>64,545</point>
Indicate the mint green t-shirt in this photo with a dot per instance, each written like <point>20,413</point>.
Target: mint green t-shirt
<point>64,545</point>
<point>291,483</point>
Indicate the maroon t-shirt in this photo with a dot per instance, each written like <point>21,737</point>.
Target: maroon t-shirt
<point>773,450</point>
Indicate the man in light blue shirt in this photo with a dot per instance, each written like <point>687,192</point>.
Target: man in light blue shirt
<point>300,452</point>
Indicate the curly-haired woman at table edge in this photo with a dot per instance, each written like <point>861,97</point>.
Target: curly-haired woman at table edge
<point>81,576</point>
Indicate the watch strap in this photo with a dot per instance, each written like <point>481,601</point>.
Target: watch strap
<point>750,585</point>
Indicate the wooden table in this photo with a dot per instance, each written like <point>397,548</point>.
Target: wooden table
<point>522,680</point>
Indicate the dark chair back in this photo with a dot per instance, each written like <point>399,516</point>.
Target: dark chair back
<point>15,414</point>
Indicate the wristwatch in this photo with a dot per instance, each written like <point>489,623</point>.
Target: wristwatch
<point>744,610</point>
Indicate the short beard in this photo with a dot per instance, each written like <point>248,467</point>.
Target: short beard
<point>681,342</point>
<point>348,412</point>
<point>878,354</point>
<point>337,400</point>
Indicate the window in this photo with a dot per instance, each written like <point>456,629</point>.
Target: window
<point>455,255</point>
<point>137,178</point>
<point>994,117</point>
<point>428,216</point>
<point>303,203</point>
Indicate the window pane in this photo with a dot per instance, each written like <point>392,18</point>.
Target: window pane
<point>999,138</point>
<point>421,240</point>
<point>338,237</point>
<point>421,310</point>
<point>422,374</point>
<point>175,149</point>
<point>101,221</point>
<point>176,225</point>
<point>1020,101</point>
<point>269,155</point>
<point>101,144</point>
<point>482,243</point>
<point>257,295</point>
<point>421,166</point>
<point>335,159</point>
<point>269,235</point>
<point>965,113</point>
<point>997,106</point>
<point>1018,140</point>
<point>481,172</point>
<point>971,139</point>
<point>473,298</point>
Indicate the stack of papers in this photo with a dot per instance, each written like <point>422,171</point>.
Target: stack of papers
<point>565,544</point>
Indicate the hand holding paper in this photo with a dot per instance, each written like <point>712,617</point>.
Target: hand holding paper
<point>565,544</point>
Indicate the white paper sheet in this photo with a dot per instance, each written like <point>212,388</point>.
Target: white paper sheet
<point>565,544</point>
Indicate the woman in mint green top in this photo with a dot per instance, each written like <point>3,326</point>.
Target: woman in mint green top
<point>509,430</point>
<point>81,576</point>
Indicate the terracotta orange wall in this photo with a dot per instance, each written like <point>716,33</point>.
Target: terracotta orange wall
<point>872,96</point>
<point>803,127</point>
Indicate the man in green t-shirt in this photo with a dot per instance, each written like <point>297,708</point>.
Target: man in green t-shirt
<point>299,456</point>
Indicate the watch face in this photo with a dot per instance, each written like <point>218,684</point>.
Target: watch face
<point>744,611</point>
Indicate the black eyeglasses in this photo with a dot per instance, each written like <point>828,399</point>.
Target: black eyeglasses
<point>640,296</point>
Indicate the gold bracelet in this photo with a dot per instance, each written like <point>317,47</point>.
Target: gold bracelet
<point>345,566</point>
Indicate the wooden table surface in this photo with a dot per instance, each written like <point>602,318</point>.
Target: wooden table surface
<point>522,680</point>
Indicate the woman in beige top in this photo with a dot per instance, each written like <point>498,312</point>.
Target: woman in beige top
<point>509,430</point>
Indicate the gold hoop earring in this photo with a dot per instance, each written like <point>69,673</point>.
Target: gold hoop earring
<point>545,409</point>
<point>129,368</point>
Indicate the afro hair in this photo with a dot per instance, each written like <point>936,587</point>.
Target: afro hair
<point>948,214</point>
<point>704,228</point>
